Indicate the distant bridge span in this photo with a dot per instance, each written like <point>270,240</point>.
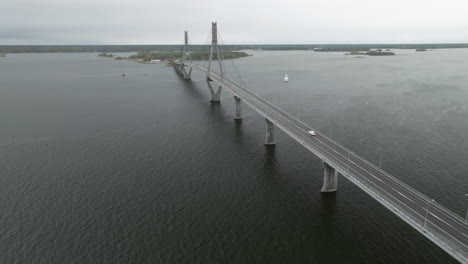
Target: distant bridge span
<point>446,229</point>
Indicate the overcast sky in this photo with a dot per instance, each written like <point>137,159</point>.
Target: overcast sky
<point>240,21</point>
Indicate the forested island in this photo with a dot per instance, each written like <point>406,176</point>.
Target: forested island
<point>105,55</point>
<point>145,56</point>
<point>378,52</point>
<point>342,49</point>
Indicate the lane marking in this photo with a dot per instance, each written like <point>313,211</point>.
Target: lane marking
<point>276,112</point>
<point>403,195</point>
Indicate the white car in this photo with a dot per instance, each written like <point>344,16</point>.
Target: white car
<point>311,132</point>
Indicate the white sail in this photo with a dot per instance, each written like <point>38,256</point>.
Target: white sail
<point>286,77</point>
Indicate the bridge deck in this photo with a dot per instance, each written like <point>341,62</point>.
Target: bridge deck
<point>445,228</point>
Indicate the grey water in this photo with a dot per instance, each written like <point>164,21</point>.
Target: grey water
<point>96,167</point>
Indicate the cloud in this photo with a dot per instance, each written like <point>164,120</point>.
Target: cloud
<point>243,21</point>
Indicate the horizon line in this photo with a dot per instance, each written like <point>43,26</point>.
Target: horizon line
<point>284,44</point>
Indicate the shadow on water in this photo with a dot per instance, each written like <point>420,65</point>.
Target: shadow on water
<point>238,132</point>
<point>327,228</point>
<point>215,111</point>
<point>328,205</point>
<point>328,210</point>
<point>192,88</point>
<point>270,159</point>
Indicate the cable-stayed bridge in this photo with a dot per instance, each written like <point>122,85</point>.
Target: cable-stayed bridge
<point>445,228</point>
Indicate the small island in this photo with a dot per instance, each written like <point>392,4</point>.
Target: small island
<point>341,49</point>
<point>378,52</point>
<point>421,49</point>
<point>168,56</point>
<point>2,54</point>
<point>105,55</point>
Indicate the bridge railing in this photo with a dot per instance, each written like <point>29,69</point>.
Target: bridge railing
<point>421,223</point>
<point>356,156</point>
<point>405,210</point>
<point>424,225</point>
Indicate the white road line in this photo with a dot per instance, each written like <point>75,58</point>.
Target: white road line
<point>354,163</point>
<point>403,195</point>
<point>440,219</point>
<point>289,125</point>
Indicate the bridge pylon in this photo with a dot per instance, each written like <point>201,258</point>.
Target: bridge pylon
<point>215,95</point>
<point>186,56</point>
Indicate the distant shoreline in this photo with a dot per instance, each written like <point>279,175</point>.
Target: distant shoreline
<point>265,47</point>
<point>149,57</point>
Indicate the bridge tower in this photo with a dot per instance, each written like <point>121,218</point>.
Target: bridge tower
<point>215,95</point>
<point>187,55</point>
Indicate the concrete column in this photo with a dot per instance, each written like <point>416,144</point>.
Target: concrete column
<point>178,69</point>
<point>187,75</point>
<point>215,96</point>
<point>238,115</point>
<point>269,133</point>
<point>330,179</point>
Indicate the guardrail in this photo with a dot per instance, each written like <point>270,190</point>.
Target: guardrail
<point>421,223</point>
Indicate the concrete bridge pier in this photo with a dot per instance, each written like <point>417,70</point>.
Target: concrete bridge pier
<point>330,178</point>
<point>269,133</point>
<point>179,69</point>
<point>215,96</point>
<point>238,115</point>
<point>187,75</point>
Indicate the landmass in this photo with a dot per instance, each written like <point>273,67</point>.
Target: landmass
<point>106,55</point>
<point>378,52</point>
<point>421,49</point>
<point>144,56</point>
<point>341,49</point>
<point>164,48</point>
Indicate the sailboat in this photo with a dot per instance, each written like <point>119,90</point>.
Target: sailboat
<point>286,78</point>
